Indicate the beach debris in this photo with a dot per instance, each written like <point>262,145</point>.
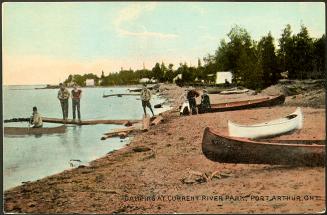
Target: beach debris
<point>119,132</point>
<point>148,157</point>
<point>157,120</point>
<point>99,178</point>
<point>141,149</point>
<point>77,163</point>
<point>199,177</point>
<point>158,106</point>
<point>146,123</point>
<point>26,182</point>
<point>195,177</point>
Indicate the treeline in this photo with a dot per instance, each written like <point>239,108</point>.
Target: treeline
<point>254,64</point>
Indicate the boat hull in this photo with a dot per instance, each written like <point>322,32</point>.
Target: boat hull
<point>224,149</point>
<point>272,128</point>
<point>33,131</point>
<point>247,104</point>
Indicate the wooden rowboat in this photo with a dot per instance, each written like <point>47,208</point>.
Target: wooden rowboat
<point>31,131</point>
<point>247,104</point>
<point>225,149</point>
<point>272,128</point>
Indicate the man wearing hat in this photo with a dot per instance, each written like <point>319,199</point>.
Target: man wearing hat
<point>145,97</point>
<point>63,96</point>
<point>36,119</point>
<point>205,102</point>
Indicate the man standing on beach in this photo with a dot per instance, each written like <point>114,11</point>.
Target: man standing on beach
<point>63,96</point>
<point>76,97</point>
<point>191,100</point>
<point>145,97</point>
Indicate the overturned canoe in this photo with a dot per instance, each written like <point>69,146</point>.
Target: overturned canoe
<point>225,149</point>
<point>29,131</point>
<point>247,104</point>
<point>272,128</point>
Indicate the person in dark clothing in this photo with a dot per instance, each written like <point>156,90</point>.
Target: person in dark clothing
<point>205,102</point>
<point>76,97</point>
<point>191,100</point>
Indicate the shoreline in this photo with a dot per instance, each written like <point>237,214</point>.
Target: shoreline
<point>170,151</point>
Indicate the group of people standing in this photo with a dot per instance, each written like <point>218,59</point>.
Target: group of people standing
<point>63,96</point>
<point>75,94</point>
<point>204,106</point>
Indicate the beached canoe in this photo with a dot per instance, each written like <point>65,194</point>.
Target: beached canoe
<point>29,131</point>
<point>225,149</point>
<point>272,128</point>
<point>247,104</point>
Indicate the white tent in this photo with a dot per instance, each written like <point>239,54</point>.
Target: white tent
<point>144,80</point>
<point>89,82</point>
<point>222,77</point>
<point>179,76</point>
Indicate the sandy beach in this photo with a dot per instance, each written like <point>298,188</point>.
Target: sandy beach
<point>148,175</point>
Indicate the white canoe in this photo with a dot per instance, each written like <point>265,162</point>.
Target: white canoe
<point>185,108</point>
<point>268,129</point>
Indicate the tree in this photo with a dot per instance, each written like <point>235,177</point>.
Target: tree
<point>285,49</point>
<point>157,72</point>
<point>170,75</point>
<point>268,60</point>
<point>319,55</point>
<point>303,53</point>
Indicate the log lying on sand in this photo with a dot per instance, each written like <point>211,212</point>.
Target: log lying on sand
<point>146,123</point>
<point>119,132</point>
<point>157,120</point>
<point>91,122</point>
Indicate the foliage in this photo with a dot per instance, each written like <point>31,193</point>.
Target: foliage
<point>254,64</point>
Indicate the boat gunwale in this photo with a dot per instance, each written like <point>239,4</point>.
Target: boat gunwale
<point>30,130</point>
<point>246,140</point>
<point>243,102</point>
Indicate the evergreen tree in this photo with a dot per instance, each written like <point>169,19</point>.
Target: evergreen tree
<point>268,60</point>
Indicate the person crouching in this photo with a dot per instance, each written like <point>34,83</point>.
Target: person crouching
<point>36,119</point>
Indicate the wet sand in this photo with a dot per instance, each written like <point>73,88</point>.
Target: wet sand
<point>127,180</point>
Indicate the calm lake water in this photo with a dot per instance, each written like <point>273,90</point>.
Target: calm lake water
<point>28,158</point>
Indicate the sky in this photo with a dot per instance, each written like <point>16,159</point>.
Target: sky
<point>42,43</point>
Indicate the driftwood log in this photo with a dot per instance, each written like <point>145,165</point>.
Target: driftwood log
<point>119,132</point>
<point>146,123</point>
<point>157,120</point>
<point>90,122</point>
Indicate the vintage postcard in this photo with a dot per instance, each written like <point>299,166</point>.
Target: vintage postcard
<point>164,107</point>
